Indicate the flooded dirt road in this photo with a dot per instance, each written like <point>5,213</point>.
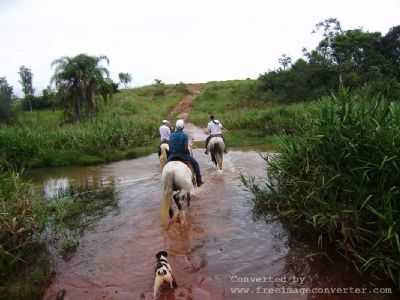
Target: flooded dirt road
<point>221,253</point>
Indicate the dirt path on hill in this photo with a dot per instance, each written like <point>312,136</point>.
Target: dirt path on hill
<point>185,105</point>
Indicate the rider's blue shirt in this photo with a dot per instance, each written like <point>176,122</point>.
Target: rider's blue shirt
<point>178,143</point>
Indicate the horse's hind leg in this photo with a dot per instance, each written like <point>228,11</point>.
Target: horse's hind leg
<point>178,203</point>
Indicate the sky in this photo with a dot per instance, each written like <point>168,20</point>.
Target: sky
<point>173,40</point>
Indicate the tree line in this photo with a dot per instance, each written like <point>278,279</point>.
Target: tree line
<point>343,58</point>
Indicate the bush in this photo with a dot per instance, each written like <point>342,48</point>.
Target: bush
<point>6,92</point>
<point>24,259</point>
<point>182,88</point>
<point>339,181</point>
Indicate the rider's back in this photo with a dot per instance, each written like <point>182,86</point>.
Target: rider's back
<point>215,127</point>
<point>178,143</point>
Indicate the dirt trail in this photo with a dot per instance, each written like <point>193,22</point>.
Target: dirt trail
<point>183,108</point>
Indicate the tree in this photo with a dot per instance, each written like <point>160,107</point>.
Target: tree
<point>27,84</point>
<point>125,78</point>
<point>391,49</point>
<point>78,80</point>
<point>358,55</point>
<point>331,28</point>
<point>107,88</point>
<point>285,61</point>
<point>6,92</point>
<point>159,87</point>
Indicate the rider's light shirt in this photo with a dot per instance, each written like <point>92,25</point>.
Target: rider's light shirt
<point>165,133</point>
<point>178,143</point>
<point>215,127</point>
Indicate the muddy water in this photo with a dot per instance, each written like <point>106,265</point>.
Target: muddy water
<point>221,247</point>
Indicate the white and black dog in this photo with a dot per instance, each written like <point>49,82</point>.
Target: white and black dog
<point>163,273</point>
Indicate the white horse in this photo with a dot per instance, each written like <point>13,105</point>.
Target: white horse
<point>177,184</point>
<point>216,147</point>
<point>164,148</point>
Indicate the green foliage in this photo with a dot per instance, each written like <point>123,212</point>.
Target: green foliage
<point>159,88</point>
<point>48,100</point>
<point>78,80</point>
<point>338,181</point>
<point>5,101</point>
<point>125,78</point>
<point>304,81</point>
<point>285,61</point>
<point>236,105</point>
<point>182,88</point>
<point>124,129</point>
<point>350,59</point>
<point>24,260</point>
<point>27,84</point>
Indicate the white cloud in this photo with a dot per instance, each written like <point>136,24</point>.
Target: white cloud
<point>175,40</point>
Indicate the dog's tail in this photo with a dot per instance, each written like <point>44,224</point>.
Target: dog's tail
<point>166,202</point>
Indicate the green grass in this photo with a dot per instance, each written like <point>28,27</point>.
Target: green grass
<point>250,121</point>
<point>126,127</point>
<point>336,183</point>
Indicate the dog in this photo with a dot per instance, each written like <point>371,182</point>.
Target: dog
<point>163,273</point>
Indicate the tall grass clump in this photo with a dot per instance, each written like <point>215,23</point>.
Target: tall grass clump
<point>24,261</point>
<point>338,182</point>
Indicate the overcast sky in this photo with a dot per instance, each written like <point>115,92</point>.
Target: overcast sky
<point>173,40</point>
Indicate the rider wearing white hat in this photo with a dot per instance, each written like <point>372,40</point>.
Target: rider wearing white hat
<point>214,129</point>
<point>165,131</point>
<point>179,150</point>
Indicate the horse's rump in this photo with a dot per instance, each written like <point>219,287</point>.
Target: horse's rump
<point>189,165</point>
<point>175,177</point>
<point>216,147</point>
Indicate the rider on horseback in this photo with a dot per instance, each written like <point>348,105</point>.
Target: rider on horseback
<point>214,129</point>
<point>165,133</point>
<point>179,149</point>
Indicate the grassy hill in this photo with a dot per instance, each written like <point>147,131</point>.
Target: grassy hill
<point>250,120</point>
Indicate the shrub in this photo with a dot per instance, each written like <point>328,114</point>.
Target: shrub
<point>24,263</point>
<point>339,182</point>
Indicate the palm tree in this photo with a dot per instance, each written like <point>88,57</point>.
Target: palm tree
<point>125,78</point>
<point>78,79</point>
